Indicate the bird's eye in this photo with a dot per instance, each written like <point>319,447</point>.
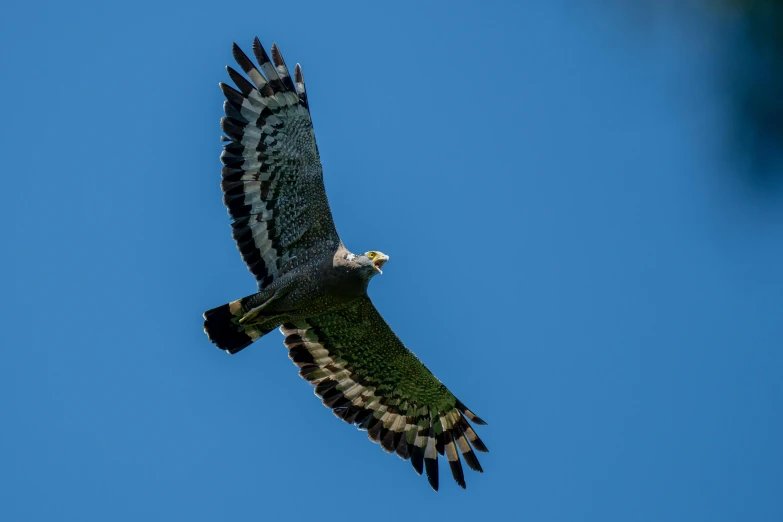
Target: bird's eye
<point>370,254</point>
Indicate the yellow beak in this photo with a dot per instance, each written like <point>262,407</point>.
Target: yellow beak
<point>379,261</point>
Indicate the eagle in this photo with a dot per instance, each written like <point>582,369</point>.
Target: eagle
<point>312,287</point>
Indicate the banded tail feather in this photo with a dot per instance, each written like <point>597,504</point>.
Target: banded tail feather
<point>222,326</point>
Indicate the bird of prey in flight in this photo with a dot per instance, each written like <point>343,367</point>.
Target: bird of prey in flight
<point>312,287</point>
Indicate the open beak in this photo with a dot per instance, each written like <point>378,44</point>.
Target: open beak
<point>379,261</point>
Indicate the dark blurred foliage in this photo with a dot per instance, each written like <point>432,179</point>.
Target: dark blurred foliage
<point>747,40</point>
<point>754,77</point>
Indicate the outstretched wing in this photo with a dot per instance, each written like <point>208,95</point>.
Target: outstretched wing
<point>364,373</point>
<point>272,176</point>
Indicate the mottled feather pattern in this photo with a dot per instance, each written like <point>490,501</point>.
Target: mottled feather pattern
<point>272,176</point>
<point>364,373</point>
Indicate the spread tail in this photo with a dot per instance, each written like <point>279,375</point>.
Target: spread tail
<point>222,326</point>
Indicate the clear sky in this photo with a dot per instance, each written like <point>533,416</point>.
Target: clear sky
<point>571,253</point>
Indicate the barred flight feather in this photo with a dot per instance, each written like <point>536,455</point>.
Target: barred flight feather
<point>300,85</point>
<point>368,378</point>
<point>267,67</point>
<point>282,70</point>
<point>272,176</point>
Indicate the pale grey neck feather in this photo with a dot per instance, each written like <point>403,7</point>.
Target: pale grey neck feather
<point>345,258</point>
<point>360,265</point>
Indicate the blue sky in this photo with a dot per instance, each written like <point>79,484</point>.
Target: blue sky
<point>571,253</point>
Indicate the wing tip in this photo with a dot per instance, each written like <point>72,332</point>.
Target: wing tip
<point>469,414</point>
<point>431,467</point>
<point>457,473</point>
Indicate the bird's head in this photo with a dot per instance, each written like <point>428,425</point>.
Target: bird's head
<point>371,262</point>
